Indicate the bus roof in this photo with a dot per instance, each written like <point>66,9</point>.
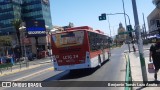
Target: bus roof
<point>87,28</point>
<point>82,27</point>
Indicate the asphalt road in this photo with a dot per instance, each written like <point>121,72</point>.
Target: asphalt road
<point>112,70</point>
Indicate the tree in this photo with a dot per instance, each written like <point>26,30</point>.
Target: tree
<point>156,2</point>
<point>16,23</point>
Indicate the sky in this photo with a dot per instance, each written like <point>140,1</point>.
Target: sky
<point>86,12</point>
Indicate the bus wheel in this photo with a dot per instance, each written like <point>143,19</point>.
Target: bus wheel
<point>99,61</point>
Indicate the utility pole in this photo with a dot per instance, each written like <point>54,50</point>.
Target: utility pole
<point>125,23</point>
<point>124,13</point>
<point>109,26</point>
<point>145,32</point>
<point>139,40</point>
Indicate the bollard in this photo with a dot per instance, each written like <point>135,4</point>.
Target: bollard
<point>20,64</point>
<point>11,68</point>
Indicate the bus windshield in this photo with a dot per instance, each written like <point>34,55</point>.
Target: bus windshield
<point>68,39</point>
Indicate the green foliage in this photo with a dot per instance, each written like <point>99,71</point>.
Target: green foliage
<point>6,65</point>
<point>16,23</point>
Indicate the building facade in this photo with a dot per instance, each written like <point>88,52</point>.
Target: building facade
<point>37,10</point>
<point>121,29</point>
<point>152,21</point>
<point>25,10</point>
<point>9,10</point>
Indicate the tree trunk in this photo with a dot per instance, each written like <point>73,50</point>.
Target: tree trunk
<point>19,41</point>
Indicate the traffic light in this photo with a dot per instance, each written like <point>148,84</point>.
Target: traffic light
<point>129,28</point>
<point>102,17</point>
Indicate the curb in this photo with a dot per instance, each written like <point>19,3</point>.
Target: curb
<point>18,70</point>
<point>24,68</point>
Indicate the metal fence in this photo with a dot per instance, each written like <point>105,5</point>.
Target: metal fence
<point>6,66</point>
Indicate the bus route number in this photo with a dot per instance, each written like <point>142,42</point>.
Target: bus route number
<point>56,56</point>
<point>70,57</point>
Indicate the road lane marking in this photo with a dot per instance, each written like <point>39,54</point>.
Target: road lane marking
<point>51,68</point>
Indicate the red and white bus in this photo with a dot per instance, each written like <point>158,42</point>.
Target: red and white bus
<point>78,48</point>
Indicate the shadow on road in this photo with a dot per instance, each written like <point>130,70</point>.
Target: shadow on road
<point>73,74</point>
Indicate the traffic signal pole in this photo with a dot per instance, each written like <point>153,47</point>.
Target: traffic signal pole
<point>125,25</point>
<point>140,43</point>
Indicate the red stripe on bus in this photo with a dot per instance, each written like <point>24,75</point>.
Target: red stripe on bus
<point>96,53</point>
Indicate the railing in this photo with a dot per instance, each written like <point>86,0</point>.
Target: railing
<point>4,66</point>
<point>128,78</point>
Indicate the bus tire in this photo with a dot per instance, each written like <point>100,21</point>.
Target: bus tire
<point>99,61</point>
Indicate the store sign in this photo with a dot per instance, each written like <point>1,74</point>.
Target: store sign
<point>35,28</point>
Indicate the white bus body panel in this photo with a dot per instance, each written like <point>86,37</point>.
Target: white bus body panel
<point>89,63</point>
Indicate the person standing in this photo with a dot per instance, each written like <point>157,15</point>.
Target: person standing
<point>155,55</point>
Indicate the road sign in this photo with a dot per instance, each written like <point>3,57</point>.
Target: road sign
<point>123,33</point>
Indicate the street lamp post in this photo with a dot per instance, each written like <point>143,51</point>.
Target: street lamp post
<point>48,37</point>
<point>22,29</point>
<point>124,12</point>
<point>126,22</point>
<point>145,36</point>
<point>140,43</point>
<point>109,26</point>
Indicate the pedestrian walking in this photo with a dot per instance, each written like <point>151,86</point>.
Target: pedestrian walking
<point>155,55</point>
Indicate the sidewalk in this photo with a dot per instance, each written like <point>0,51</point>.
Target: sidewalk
<point>136,69</point>
<point>31,64</point>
